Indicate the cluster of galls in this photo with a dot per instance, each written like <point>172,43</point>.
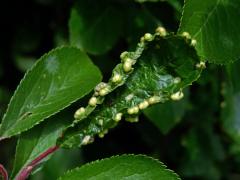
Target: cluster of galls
<point>202,64</point>
<point>133,111</point>
<point>102,89</point>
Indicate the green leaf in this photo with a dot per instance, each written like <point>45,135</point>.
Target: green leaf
<point>215,25</point>
<point>64,160</point>
<point>230,106</point>
<point>95,26</point>
<point>164,66</point>
<point>166,116</point>
<point>202,157</point>
<point>142,1</point>
<point>59,78</point>
<point>139,20</point>
<point>123,167</point>
<point>37,140</point>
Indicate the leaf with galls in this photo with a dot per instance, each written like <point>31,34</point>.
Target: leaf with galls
<point>156,72</point>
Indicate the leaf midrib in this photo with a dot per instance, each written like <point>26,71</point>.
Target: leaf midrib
<point>208,17</point>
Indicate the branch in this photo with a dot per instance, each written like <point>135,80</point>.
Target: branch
<point>28,169</point>
<point>3,172</point>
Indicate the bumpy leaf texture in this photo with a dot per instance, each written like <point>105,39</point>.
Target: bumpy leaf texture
<point>163,66</point>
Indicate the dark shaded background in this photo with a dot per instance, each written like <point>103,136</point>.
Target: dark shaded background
<point>196,148</point>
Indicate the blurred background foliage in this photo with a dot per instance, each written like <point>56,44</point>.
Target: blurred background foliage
<point>198,137</point>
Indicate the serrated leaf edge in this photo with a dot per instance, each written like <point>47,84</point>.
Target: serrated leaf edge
<point>144,41</point>
<point>42,57</point>
<point>124,156</point>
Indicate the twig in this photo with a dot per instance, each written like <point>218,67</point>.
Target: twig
<point>28,169</point>
<point>3,172</point>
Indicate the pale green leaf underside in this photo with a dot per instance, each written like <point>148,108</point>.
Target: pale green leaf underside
<point>131,167</point>
<point>59,78</point>
<point>215,25</point>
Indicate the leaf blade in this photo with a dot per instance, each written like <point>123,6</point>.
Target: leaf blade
<point>166,116</point>
<point>214,24</point>
<point>163,67</point>
<point>230,116</point>
<point>59,78</point>
<point>94,32</point>
<point>120,167</point>
<point>37,140</point>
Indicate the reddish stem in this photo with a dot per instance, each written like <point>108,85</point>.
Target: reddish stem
<point>28,169</point>
<point>3,172</point>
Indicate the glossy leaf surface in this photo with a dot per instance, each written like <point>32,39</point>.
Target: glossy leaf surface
<point>123,167</point>
<point>215,25</point>
<point>59,78</point>
<point>165,66</point>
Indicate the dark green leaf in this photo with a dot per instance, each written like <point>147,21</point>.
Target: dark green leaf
<point>230,113</point>
<point>64,160</point>
<point>59,78</point>
<point>166,66</point>
<point>215,25</point>
<point>139,21</point>
<point>166,116</point>
<point>142,1</point>
<point>123,167</point>
<point>202,157</point>
<point>95,26</point>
